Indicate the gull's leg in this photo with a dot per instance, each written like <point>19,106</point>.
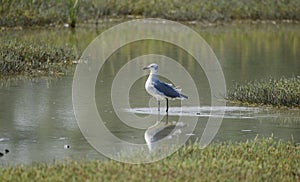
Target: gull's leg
<point>167,118</point>
<point>167,105</point>
<point>158,105</point>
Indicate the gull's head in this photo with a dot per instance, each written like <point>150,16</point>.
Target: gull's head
<point>152,67</point>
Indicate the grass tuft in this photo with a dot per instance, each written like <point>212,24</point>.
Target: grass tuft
<point>32,59</point>
<point>281,92</point>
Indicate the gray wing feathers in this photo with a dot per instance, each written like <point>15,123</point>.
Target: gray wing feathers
<point>166,89</point>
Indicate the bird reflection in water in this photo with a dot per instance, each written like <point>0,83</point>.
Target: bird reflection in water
<point>163,131</point>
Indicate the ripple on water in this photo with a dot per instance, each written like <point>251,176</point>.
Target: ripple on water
<point>205,111</point>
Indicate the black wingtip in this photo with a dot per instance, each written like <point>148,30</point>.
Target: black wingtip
<point>184,96</point>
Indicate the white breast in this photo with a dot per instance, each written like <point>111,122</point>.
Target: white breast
<point>152,90</point>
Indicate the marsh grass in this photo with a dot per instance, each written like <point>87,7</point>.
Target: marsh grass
<point>28,12</point>
<point>275,92</point>
<point>31,59</point>
<point>256,160</point>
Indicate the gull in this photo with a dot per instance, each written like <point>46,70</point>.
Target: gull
<point>160,90</point>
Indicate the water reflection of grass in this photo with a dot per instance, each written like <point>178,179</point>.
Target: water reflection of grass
<point>31,59</point>
<point>257,160</point>
<point>281,92</point>
<point>28,12</point>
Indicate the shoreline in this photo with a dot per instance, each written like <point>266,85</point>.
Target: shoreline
<point>114,20</point>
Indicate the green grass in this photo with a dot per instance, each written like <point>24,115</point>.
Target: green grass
<point>257,160</point>
<point>281,92</point>
<point>32,59</point>
<point>28,12</point>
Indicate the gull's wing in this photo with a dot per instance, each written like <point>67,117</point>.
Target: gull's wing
<point>166,89</point>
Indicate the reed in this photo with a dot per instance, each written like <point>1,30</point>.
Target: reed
<point>72,13</point>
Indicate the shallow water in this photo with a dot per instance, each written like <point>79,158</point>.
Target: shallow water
<point>38,122</point>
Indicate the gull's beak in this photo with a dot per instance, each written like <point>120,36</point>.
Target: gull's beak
<point>146,68</point>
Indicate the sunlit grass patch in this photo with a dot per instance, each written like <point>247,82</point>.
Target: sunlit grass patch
<point>276,92</point>
<point>31,59</point>
<point>255,160</point>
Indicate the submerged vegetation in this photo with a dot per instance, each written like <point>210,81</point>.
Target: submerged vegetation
<point>31,59</point>
<point>281,92</point>
<point>28,12</point>
<point>257,160</point>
